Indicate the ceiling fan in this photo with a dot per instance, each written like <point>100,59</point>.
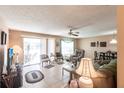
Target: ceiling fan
<point>71,31</point>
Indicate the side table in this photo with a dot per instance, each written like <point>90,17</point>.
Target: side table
<point>69,69</point>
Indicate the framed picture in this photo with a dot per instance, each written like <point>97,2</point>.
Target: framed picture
<point>3,38</point>
<point>103,44</point>
<point>93,44</point>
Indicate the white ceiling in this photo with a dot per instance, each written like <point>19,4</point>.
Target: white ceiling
<point>91,20</point>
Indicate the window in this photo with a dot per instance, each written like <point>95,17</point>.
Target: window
<point>67,48</point>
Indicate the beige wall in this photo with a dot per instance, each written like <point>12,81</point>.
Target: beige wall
<point>16,40</point>
<point>89,51</point>
<point>120,65</point>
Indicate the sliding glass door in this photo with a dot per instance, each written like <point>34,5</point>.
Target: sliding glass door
<point>32,50</point>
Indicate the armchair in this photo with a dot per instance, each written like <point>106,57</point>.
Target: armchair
<point>59,56</point>
<point>77,56</point>
<point>44,58</point>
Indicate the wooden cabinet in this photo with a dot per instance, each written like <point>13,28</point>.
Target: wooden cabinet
<point>13,79</point>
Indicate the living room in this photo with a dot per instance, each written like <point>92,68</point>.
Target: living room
<point>75,27</point>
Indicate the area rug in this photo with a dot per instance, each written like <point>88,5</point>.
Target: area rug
<point>49,66</point>
<point>34,76</point>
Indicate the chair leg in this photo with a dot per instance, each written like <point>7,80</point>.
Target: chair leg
<point>62,72</point>
<point>42,64</point>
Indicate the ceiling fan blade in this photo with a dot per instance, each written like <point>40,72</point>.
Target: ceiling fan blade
<point>77,32</point>
<point>74,34</point>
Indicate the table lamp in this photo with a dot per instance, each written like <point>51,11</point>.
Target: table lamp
<point>87,72</point>
<point>17,51</point>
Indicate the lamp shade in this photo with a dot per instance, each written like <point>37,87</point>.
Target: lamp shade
<point>86,69</point>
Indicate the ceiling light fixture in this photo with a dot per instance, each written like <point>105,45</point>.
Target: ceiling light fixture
<point>67,39</point>
<point>113,41</point>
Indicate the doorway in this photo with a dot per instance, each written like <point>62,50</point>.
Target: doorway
<point>32,50</point>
